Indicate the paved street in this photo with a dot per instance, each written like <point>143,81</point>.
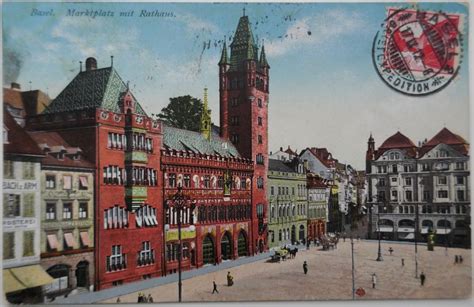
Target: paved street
<point>329,277</point>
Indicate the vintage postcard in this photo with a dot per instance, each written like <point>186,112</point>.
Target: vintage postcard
<point>158,152</point>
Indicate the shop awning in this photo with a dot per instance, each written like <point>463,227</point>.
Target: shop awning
<point>443,231</point>
<point>425,230</point>
<point>385,229</point>
<point>84,181</point>
<point>85,239</point>
<point>69,238</point>
<point>406,236</point>
<point>53,241</point>
<point>31,276</point>
<point>406,229</point>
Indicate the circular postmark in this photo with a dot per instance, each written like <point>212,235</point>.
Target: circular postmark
<point>418,52</point>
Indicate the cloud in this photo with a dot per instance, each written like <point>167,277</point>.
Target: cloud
<point>194,24</point>
<point>315,31</point>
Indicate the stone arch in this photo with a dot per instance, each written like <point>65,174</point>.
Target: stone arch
<point>208,250</point>
<point>196,181</point>
<point>226,246</point>
<point>82,274</point>
<point>406,223</point>
<point>242,245</point>
<point>443,224</point>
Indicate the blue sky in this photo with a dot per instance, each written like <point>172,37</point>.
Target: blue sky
<point>324,90</point>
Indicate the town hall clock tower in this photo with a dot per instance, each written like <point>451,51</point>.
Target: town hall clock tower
<point>244,92</point>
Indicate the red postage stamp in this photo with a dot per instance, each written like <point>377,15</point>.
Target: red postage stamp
<point>418,52</point>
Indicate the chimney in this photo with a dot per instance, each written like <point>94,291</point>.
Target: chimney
<point>15,86</point>
<point>91,64</point>
<point>281,148</point>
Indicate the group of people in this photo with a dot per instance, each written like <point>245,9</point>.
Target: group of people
<point>458,259</point>
<point>230,283</point>
<point>422,277</point>
<point>142,298</point>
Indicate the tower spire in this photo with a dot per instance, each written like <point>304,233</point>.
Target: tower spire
<point>224,58</point>
<point>263,58</point>
<point>205,118</point>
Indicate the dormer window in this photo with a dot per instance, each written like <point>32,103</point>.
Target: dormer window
<point>61,156</point>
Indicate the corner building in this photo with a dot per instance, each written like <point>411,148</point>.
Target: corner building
<point>244,100</point>
<point>98,113</point>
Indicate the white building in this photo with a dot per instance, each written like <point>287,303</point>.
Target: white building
<point>417,189</point>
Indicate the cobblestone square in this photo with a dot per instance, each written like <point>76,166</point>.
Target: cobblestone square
<point>329,277</point>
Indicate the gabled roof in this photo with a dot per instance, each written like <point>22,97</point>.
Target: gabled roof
<point>19,142</point>
<point>323,155</point>
<point>91,89</point>
<point>279,166</point>
<point>180,139</point>
<point>290,151</point>
<point>54,143</point>
<point>445,136</point>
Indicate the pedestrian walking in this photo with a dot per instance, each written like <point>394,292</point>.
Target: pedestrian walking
<point>305,268</point>
<point>422,278</point>
<point>150,298</point>
<point>456,259</point>
<point>403,262</point>
<point>460,259</point>
<point>145,300</point>
<point>214,287</point>
<point>118,300</point>
<point>374,280</point>
<point>230,279</point>
<point>140,298</point>
<point>390,250</point>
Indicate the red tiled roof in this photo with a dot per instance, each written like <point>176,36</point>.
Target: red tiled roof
<point>445,136</point>
<point>290,151</point>
<point>324,156</point>
<point>398,140</point>
<point>54,139</point>
<point>314,181</point>
<point>19,142</point>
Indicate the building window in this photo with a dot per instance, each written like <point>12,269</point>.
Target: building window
<point>234,138</point>
<point>82,210</point>
<point>460,194</point>
<point>50,211</point>
<point>67,211</point>
<point>442,194</point>
<point>459,166</point>
<point>117,260</point>
<point>260,121</point>
<point>8,245</point>
<point>394,195</point>
<point>394,169</point>
<point>12,208</point>
<point>50,181</point>
<point>259,102</point>
<point>408,195</point>
<point>220,182</point>
<point>234,120</point>
<point>425,167</point>
<point>260,183</point>
<point>8,171</point>
<point>29,205</point>
<point>260,139</point>
<point>381,182</point>
<point>207,182</point>
<point>426,195</point>
<point>172,180</point>
<point>28,170</point>
<point>459,180</point>
<point>394,179</point>
<point>442,180</point>
<point>234,102</point>
<point>28,243</point>
<point>408,181</point>
<point>83,183</point>
<point>146,255</point>
<point>67,182</point>
<point>187,180</point>
<point>260,159</point>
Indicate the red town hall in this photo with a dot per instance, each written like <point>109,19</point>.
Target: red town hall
<point>139,164</point>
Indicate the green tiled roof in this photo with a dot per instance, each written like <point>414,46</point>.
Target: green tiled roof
<point>243,46</point>
<point>224,58</point>
<point>179,139</point>
<point>98,88</point>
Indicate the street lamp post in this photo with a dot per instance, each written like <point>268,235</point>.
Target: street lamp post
<point>416,240</point>
<point>180,202</point>
<point>353,277</point>
<point>446,231</point>
<point>379,255</point>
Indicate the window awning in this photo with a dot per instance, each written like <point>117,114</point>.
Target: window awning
<point>406,229</point>
<point>84,181</point>
<point>443,231</point>
<point>67,182</point>
<point>385,229</point>
<point>16,279</point>
<point>69,238</point>
<point>53,241</point>
<point>85,239</point>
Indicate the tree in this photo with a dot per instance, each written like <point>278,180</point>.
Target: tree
<point>183,112</point>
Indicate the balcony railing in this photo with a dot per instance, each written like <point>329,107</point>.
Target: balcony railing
<point>143,260</point>
<point>117,264</point>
